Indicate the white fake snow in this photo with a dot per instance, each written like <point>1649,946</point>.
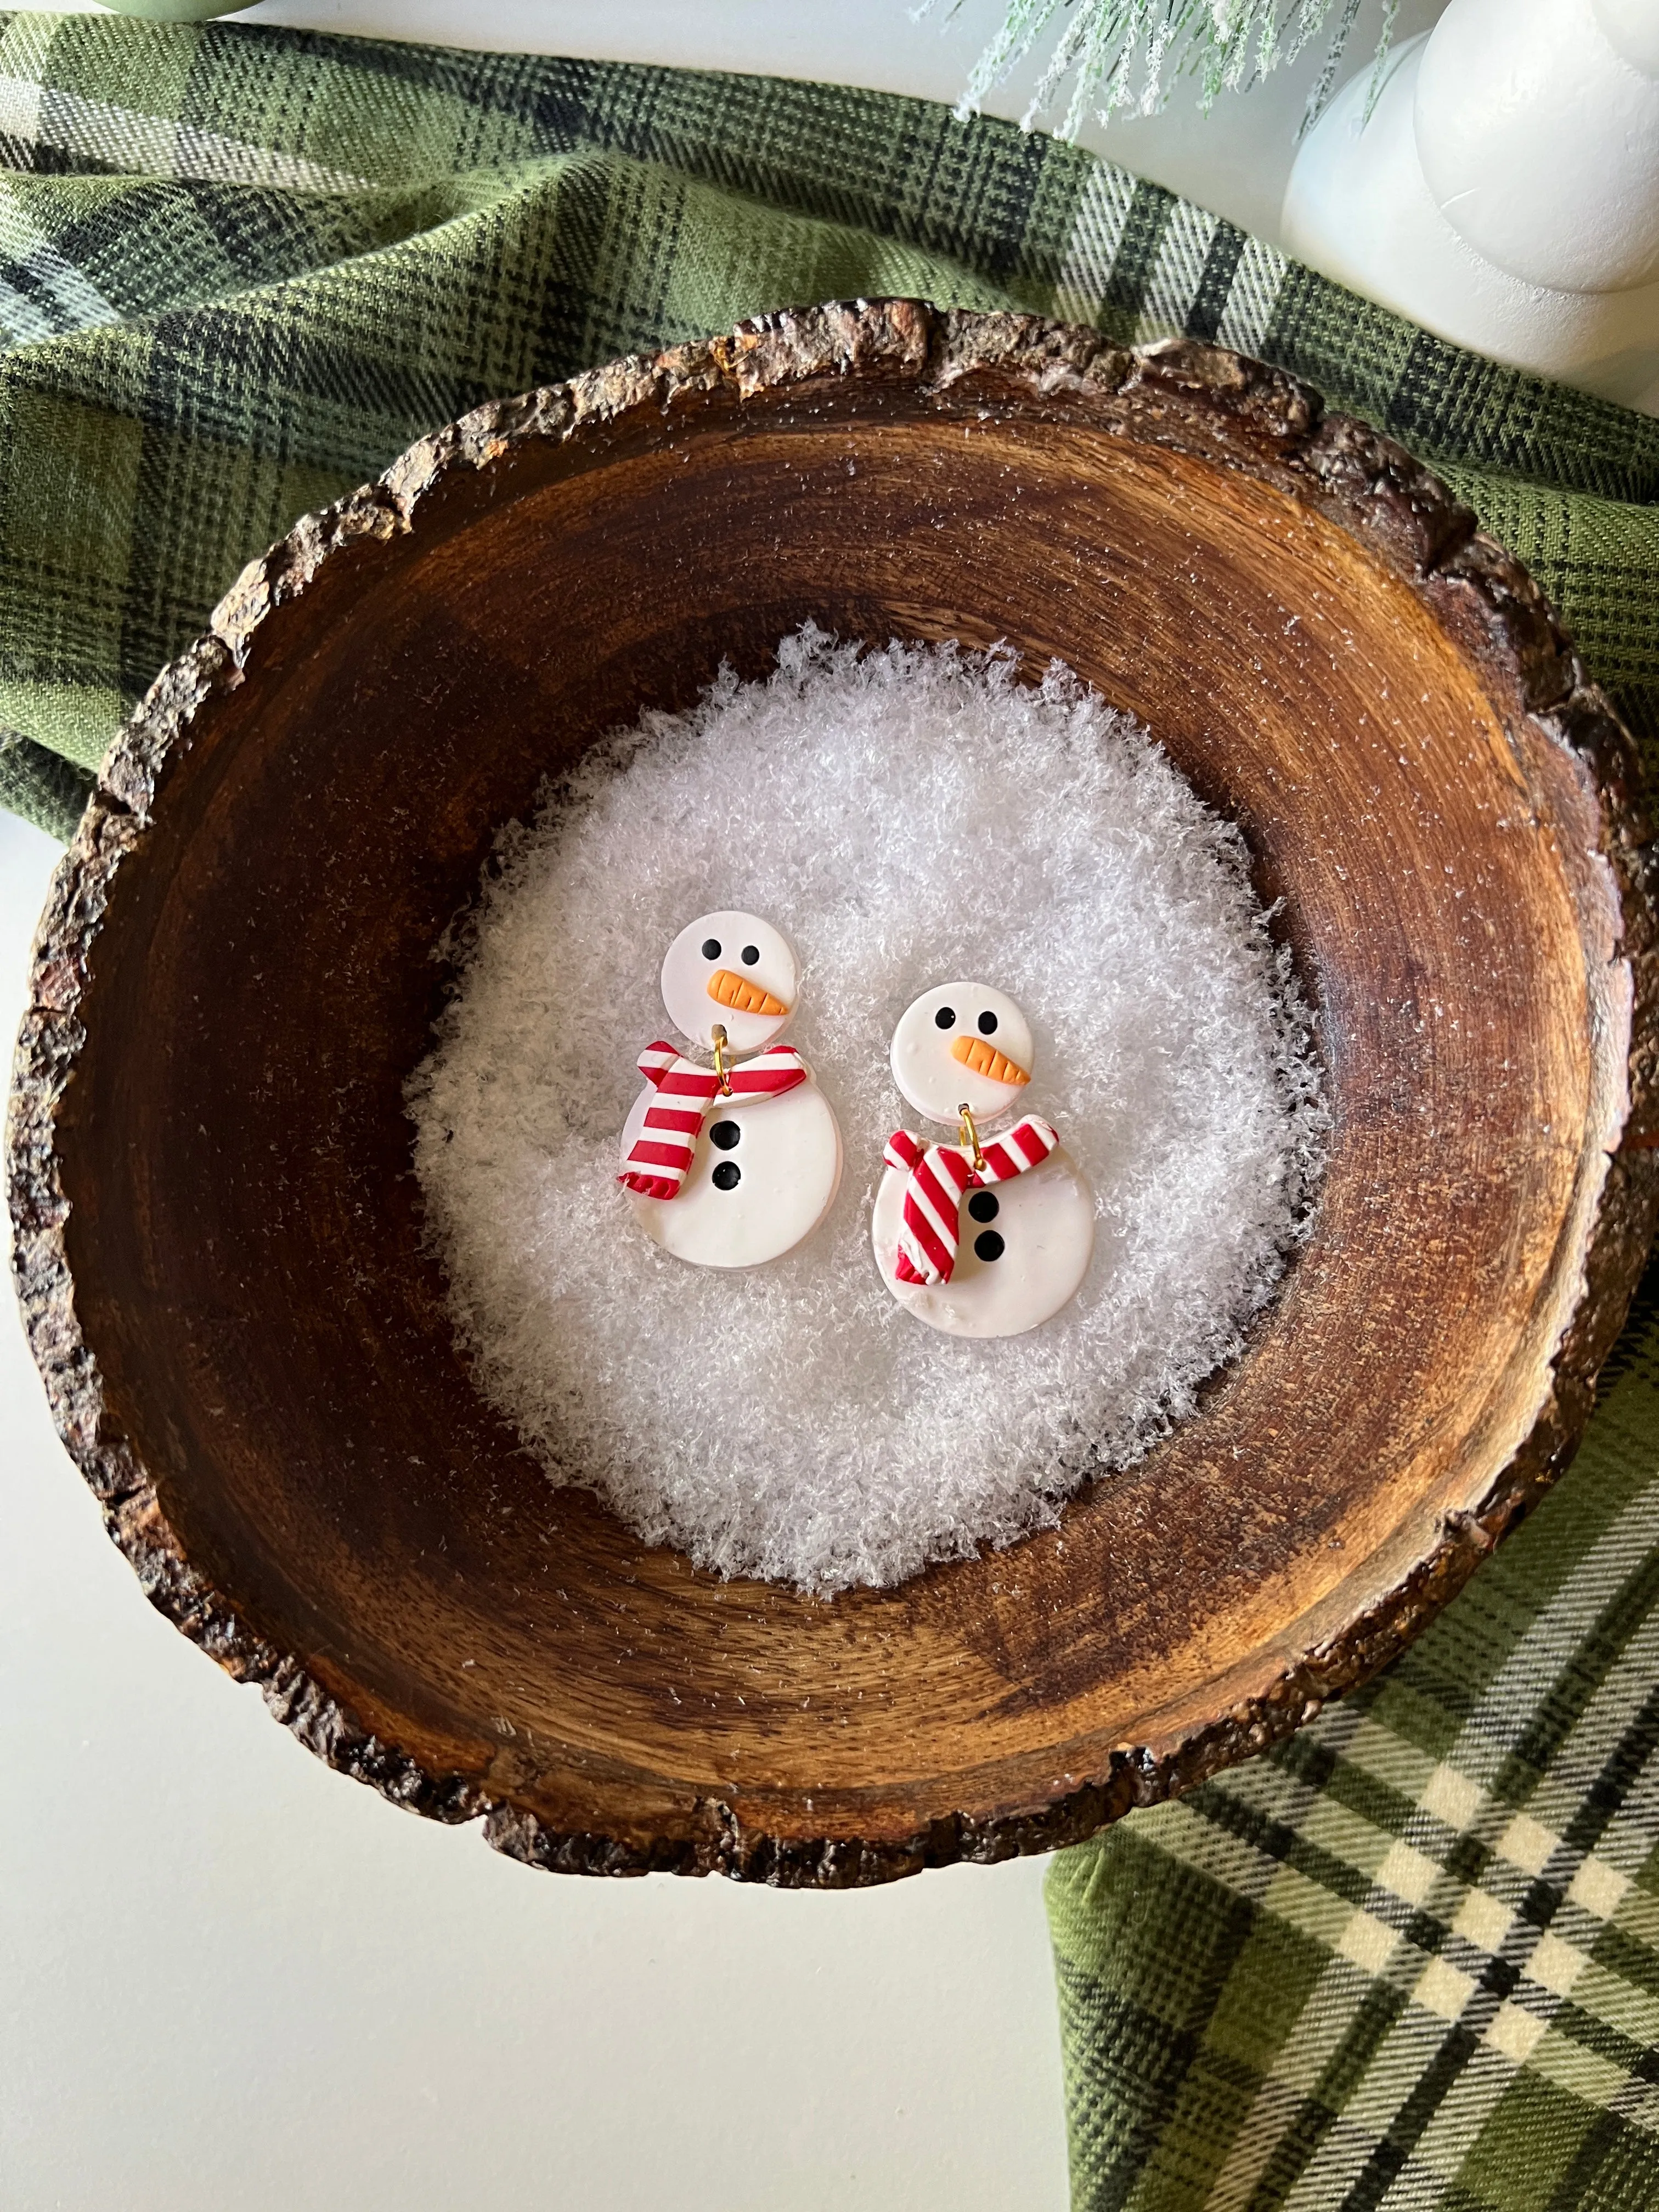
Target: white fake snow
<point>907,818</point>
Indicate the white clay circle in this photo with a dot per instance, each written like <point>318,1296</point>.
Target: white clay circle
<point>746,947</point>
<point>788,1155</point>
<point>1046,1220</point>
<point>924,1067</point>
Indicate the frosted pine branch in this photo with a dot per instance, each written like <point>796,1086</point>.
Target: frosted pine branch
<point>1126,54</point>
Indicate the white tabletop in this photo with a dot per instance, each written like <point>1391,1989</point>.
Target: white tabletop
<point>235,1982</point>
<point>234,1979</point>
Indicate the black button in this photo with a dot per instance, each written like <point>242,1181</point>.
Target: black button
<point>988,1024</point>
<point>751,955</point>
<point>711,948</point>
<point>724,1135</point>
<point>984,1205</point>
<point>988,1243</point>
<point>728,1175</point>
<point>946,1017</point>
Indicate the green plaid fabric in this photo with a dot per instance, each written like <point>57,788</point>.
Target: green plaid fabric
<point>1412,1958</point>
<point>240,269</point>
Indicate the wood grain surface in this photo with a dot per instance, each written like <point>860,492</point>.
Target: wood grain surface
<point>218,1236</point>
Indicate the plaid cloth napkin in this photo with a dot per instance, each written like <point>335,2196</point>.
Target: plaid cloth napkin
<point>1412,1958</point>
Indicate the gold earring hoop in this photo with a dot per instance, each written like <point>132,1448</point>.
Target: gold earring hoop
<point>970,1136</point>
<point>718,1035</point>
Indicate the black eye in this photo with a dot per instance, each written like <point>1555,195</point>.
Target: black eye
<point>987,1023</point>
<point>724,1135</point>
<point>751,955</point>
<point>984,1205</point>
<point>946,1017</point>
<point>711,948</point>
<point>987,1244</point>
<point>728,1175</point>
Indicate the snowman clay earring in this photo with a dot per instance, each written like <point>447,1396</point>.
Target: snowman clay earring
<point>990,1236</point>
<point>731,1165</point>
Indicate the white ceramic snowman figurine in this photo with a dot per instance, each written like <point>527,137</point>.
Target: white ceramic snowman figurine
<point>730,1166</point>
<point>992,1235</point>
<point>1505,190</point>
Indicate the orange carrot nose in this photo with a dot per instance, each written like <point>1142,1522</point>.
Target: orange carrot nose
<point>985,1060</point>
<point>743,997</point>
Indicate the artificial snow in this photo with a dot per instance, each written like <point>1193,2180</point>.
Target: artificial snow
<point>908,816</point>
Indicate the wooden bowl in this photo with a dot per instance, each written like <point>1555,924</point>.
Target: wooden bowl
<point>219,1236</point>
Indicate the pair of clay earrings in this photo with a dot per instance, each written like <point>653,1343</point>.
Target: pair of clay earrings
<point>732,1166</point>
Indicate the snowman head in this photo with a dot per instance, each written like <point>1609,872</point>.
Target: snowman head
<point>963,1044</point>
<point>735,970</point>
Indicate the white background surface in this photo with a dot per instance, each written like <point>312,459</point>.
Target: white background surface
<point>231,1981</point>
<point>229,1978</point>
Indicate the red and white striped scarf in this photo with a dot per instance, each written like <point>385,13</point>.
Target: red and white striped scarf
<point>661,1156</point>
<point>938,1175</point>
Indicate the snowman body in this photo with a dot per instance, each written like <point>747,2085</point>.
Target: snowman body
<point>1024,1250</point>
<point>1021,1240</point>
<point>764,1175</point>
<point>727,1174</point>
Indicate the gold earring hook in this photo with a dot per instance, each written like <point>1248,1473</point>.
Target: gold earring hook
<point>718,1035</point>
<point>970,1136</point>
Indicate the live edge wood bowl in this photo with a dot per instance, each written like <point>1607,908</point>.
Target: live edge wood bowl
<point>219,1240</point>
